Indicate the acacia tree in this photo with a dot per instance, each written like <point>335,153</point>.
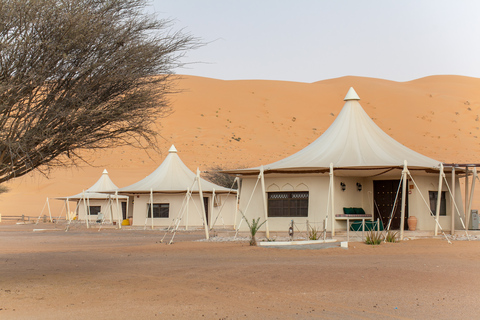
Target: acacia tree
<point>81,74</point>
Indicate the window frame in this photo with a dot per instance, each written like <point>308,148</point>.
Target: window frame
<point>432,197</point>
<point>158,213</point>
<point>293,205</point>
<point>99,208</point>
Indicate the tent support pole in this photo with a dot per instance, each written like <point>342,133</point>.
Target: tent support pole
<point>470,198</point>
<point>110,207</point>
<point>118,208</point>
<point>439,198</point>
<point>202,204</point>
<point>236,203</point>
<point>151,206</point>
<point>265,207</point>
<point>49,212</point>
<point>188,195</point>
<point>332,199</point>
<point>86,209</point>
<point>466,196</point>
<point>452,231</point>
<point>404,199</point>
<point>88,206</point>
<point>211,208</point>
<point>67,203</point>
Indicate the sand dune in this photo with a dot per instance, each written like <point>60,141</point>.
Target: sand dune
<point>253,122</point>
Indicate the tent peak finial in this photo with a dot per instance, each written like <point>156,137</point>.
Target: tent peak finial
<point>172,149</point>
<point>105,171</point>
<point>351,95</point>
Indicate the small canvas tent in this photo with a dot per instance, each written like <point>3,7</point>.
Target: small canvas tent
<point>174,195</point>
<point>353,164</point>
<point>94,201</point>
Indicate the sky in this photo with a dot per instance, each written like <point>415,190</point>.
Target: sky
<point>313,40</point>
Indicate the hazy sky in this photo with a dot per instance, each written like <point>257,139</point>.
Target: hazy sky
<point>311,40</point>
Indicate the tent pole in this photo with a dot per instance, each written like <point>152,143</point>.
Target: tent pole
<point>186,207</point>
<point>236,203</point>
<point>49,212</point>
<point>265,207</point>
<point>439,198</point>
<point>200,192</point>
<point>88,206</point>
<point>466,196</point>
<point>151,205</point>
<point>67,204</point>
<point>119,216</point>
<point>110,207</point>
<point>470,198</point>
<point>332,197</point>
<point>85,207</point>
<point>118,208</point>
<point>404,199</point>
<point>211,209</point>
<point>452,231</point>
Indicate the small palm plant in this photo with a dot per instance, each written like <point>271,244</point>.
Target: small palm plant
<point>253,227</point>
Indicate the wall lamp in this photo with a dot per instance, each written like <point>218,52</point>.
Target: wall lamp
<point>359,186</point>
<point>343,186</point>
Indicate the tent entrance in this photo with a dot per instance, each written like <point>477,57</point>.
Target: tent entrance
<point>384,193</point>
<point>124,210</point>
<point>205,204</point>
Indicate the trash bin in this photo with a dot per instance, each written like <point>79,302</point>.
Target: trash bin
<point>475,220</point>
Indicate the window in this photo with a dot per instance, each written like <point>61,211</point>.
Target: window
<point>433,202</point>
<point>160,210</point>
<point>94,210</point>
<point>288,204</point>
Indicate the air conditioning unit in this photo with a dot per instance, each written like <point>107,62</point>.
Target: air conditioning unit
<point>475,220</point>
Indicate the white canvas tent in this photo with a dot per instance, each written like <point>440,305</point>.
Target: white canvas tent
<point>179,197</point>
<point>95,200</point>
<point>344,168</point>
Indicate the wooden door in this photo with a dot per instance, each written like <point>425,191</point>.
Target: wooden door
<point>205,203</point>
<point>385,192</point>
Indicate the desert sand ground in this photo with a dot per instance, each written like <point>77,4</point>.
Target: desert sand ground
<point>237,124</point>
<point>128,274</point>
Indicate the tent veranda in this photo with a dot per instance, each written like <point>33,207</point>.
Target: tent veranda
<point>93,201</point>
<point>179,197</point>
<point>346,167</point>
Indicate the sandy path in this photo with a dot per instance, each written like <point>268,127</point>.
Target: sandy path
<point>128,274</point>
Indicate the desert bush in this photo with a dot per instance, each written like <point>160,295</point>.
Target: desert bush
<point>373,237</point>
<point>391,236</point>
<point>313,233</point>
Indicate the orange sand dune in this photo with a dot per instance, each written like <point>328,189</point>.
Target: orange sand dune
<point>253,122</point>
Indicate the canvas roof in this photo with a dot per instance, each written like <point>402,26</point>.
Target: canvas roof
<point>104,184</point>
<point>172,176</point>
<point>353,141</point>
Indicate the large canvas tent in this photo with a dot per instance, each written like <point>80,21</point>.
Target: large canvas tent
<point>94,201</point>
<point>353,164</point>
<point>179,197</point>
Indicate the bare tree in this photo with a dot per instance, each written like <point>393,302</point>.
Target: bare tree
<point>81,74</point>
<point>215,175</point>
